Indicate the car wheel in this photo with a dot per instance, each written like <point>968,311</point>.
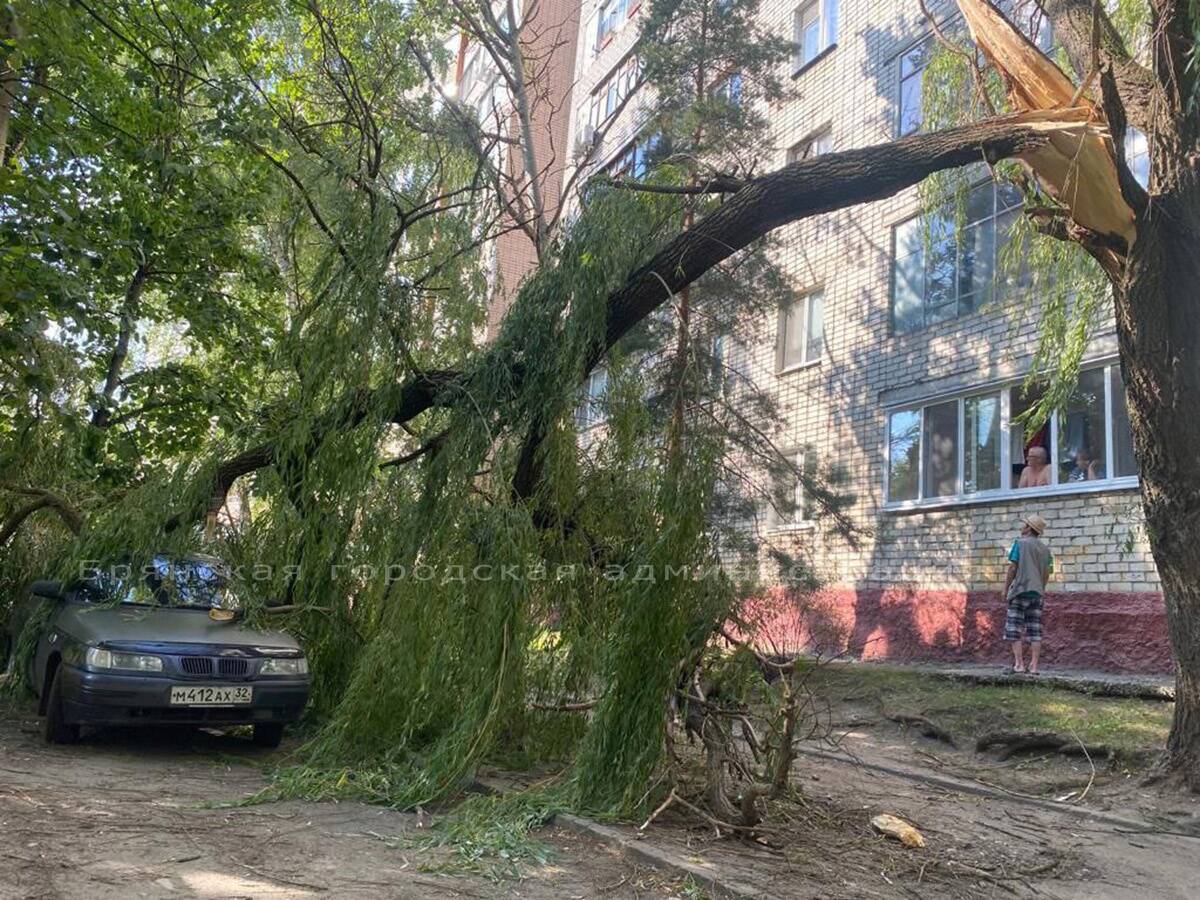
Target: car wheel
<point>267,734</point>
<point>58,730</point>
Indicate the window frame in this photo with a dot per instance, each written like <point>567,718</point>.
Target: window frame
<point>803,148</point>
<point>618,85</point>
<point>981,297</point>
<point>1007,490</point>
<point>805,297</point>
<point>589,411</point>
<point>800,521</point>
<point>827,38</point>
<point>925,42</point>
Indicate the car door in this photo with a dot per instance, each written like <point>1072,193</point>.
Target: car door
<point>44,601</point>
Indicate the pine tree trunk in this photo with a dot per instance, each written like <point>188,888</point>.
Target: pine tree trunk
<point>1158,323</point>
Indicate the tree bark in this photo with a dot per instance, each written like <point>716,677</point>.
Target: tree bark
<point>1089,38</point>
<point>803,189</point>
<point>42,500</point>
<point>1158,326</point>
<point>10,80</point>
<point>112,377</point>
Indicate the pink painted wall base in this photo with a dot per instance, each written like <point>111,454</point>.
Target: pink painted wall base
<point>1108,632</point>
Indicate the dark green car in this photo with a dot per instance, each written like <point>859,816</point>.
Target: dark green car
<point>159,645</point>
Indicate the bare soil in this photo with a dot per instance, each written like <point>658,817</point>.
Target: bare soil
<point>140,814</point>
<point>129,814</point>
<point>1035,825</point>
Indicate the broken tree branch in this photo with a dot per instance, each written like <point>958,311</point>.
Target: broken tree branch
<point>798,191</point>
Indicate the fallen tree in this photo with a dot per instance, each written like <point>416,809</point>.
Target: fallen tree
<point>1071,136</point>
<point>419,679</point>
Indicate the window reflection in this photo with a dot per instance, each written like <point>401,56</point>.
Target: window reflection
<point>904,448</point>
<point>1124,462</point>
<point>1081,438</point>
<point>941,449</point>
<point>981,460</point>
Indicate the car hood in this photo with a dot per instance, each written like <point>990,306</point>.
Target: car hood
<point>160,625</point>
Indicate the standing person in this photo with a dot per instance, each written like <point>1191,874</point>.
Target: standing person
<point>1030,564</point>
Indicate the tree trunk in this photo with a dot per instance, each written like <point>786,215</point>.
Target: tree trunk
<point>129,313</point>
<point>1158,324</point>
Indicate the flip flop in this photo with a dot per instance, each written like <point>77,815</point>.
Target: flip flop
<point>1013,670</point>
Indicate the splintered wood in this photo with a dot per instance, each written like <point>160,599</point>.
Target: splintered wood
<point>1078,165</point>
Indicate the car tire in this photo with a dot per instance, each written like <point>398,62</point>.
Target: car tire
<point>267,734</point>
<point>57,729</point>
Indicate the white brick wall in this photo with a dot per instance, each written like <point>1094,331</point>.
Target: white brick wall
<point>836,406</point>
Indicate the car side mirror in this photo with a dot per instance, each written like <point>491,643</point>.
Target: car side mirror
<point>50,590</point>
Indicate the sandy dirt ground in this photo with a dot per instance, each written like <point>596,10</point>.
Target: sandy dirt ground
<point>984,838</point>
<point>130,814</point>
<point>125,814</point>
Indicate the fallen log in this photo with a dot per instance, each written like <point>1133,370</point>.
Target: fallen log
<point>1013,742</point>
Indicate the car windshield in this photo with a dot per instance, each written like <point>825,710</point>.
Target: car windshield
<point>185,582</point>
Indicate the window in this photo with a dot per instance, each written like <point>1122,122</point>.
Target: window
<point>634,160</point>
<point>981,447</point>
<point>795,506</point>
<point>1081,433</point>
<point>610,93</point>
<point>801,337</point>
<point>981,444</point>
<point>814,27</point>
<point>729,89</point>
<point>590,411</point>
<point>609,20</point>
<point>814,145</point>
<point>912,74</point>
<point>1137,155</point>
<point>939,438</point>
<point>1124,462</point>
<point>904,452</point>
<point>945,262</point>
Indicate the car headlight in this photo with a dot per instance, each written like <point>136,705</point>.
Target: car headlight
<point>96,658</point>
<point>284,665</point>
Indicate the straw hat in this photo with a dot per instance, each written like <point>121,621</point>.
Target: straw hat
<point>1036,523</point>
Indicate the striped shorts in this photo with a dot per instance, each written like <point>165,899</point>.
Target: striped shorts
<point>1024,611</point>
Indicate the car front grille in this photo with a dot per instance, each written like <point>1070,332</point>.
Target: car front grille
<point>196,665</point>
<point>207,666</point>
<point>234,667</point>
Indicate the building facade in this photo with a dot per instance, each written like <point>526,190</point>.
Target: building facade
<point>547,31</point>
<point>901,364</point>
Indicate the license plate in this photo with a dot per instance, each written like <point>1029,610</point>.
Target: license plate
<point>210,695</point>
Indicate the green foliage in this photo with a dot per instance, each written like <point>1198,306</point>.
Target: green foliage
<point>491,835</point>
<point>1056,278</point>
<point>312,229</point>
<point>689,51</point>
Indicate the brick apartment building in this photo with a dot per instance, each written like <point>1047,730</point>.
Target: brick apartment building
<point>894,365</point>
<point>899,362</point>
<point>548,30</point>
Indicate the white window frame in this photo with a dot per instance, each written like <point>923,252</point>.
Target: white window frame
<point>798,521</point>
<point>619,84</point>
<point>1007,490</point>
<point>590,413</point>
<point>619,11</point>
<point>998,211</point>
<point>818,143</point>
<point>781,367</point>
<point>826,11</point>
<point>901,78</point>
